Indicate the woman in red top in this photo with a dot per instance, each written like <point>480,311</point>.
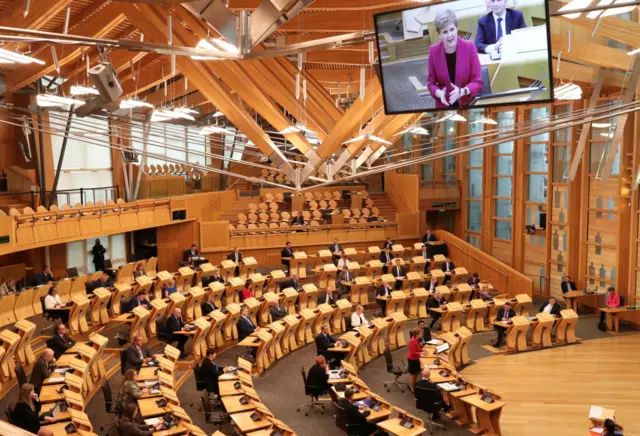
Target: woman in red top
<point>413,356</point>
<point>246,291</point>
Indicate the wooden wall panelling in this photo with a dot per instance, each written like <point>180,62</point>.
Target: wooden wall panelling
<point>403,190</point>
<point>172,241</point>
<point>634,268</point>
<point>503,251</point>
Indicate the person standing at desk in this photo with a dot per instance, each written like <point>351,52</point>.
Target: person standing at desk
<point>567,285</point>
<point>176,324</point>
<point>344,278</point>
<point>343,261</point>
<point>504,314</point>
<point>385,259</point>
<point>551,307</point>
<point>382,295</point>
<point>398,273</point>
<point>235,257</point>
<point>353,416</point>
<point>454,72</point>
<point>53,301</point>
<point>498,22</point>
<point>210,372</point>
<point>611,428</point>
<point>318,376</point>
<point>286,254</point>
<point>98,252</point>
<point>425,254</point>
<point>336,250</point>
<point>46,276</point>
<point>429,237</point>
<point>61,341</point>
<point>612,300</point>
<point>357,317</point>
<point>388,244</point>
<point>448,268</point>
<point>42,369</point>
<point>413,356</point>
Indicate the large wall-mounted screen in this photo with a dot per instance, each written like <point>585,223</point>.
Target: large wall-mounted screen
<point>464,54</point>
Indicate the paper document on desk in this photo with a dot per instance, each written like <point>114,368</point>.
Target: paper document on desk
<point>448,387</point>
<point>597,430</point>
<point>148,383</point>
<point>56,380</point>
<point>433,342</point>
<point>335,374</point>
<point>441,348</point>
<point>61,370</point>
<point>153,421</point>
<point>595,412</point>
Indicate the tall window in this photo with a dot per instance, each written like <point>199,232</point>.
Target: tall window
<point>474,186</point>
<point>85,163</point>
<point>503,176</point>
<point>538,166</point>
<point>450,133</point>
<point>79,253</point>
<point>181,143</point>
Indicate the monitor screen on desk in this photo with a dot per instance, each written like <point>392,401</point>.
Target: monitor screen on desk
<point>500,51</point>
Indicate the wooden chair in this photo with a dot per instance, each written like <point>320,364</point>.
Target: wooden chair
<point>264,173</point>
<point>263,207</point>
<point>318,195</point>
<point>306,215</point>
<point>308,196</point>
<point>286,217</point>
<point>314,223</point>
<point>317,215</point>
<point>375,212</point>
<point>280,178</point>
<point>232,228</point>
<point>353,221</point>
<point>273,225</point>
<point>313,205</point>
<point>242,218</point>
<point>252,227</point>
<point>363,221</point>
<point>333,204</point>
<point>264,217</point>
<point>242,227</point>
<point>284,225</point>
<point>269,198</point>
<point>368,202</point>
<point>274,217</point>
<point>337,195</point>
<point>280,197</point>
<point>346,213</point>
<point>263,226</point>
<point>356,213</point>
<point>366,212</point>
<point>253,207</point>
<point>253,218</point>
<point>273,207</point>
<point>323,204</point>
<point>327,195</point>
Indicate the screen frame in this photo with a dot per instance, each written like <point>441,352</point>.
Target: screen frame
<point>550,100</point>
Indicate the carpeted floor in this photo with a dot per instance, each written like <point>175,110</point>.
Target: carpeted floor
<point>281,387</point>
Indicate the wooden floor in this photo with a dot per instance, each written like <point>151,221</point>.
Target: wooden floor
<point>550,392</point>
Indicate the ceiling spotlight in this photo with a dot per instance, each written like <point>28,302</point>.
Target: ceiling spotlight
<point>132,103</point>
<point>217,114</point>
<point>298,127</point>
<point>9,57</point>
<point>83,90</point>
<point>160,115</point>
<point>214,44</point>
<point>414,130</point>
<point>601,125</point>
<point>485,120</point>
<point>48,100</point>
<point>457,117</point>
<point>368,136</point>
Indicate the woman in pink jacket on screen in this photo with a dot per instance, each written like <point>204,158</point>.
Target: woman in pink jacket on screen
<point>455,75</point>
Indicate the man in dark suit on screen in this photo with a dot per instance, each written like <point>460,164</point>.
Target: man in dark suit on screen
<point>500,21</point>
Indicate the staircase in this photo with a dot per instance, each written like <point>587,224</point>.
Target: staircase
<point>382,202</point>
<point>8,202</point>
<point>239,206</point>
<point>374,183</point>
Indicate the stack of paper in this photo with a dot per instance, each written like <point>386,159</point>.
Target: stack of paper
<point>433,342</point>
<point>448,387</point>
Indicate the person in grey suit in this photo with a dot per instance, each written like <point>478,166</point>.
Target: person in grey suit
<point>136,354</point>
<point>344,277</point>
<point>335,250</point>
<point>42,369</point>
<point>276,311</point>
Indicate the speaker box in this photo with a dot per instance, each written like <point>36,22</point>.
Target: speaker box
<point>106,81</point>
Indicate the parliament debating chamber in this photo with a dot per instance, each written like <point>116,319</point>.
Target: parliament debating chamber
<point>211,223</point>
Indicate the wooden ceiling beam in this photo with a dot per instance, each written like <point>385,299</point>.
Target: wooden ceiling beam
<point>618,29</point>
<point>40,13</point>
<point>590,52</point>
<point>97,26</point>
<point>336,5</point>
<point>343,57</point>
<point>176,89</point>
<point>151,22</point>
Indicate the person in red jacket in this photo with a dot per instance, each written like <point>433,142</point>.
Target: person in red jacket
<point>413,356</point>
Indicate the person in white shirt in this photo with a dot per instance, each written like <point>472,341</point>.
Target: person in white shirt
<point>357,317</point>
<point>551,307</point>
<point>343,261</point>
<point>433,285</point>
<point>53,301</point>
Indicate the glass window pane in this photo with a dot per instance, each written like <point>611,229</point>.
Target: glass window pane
<point>504,186</point>
<point>427,172</point>
<point>475,158</point>
<point>474,216</point>
<point>540,116</point>
<point>538,157</point>
<point>504,165</point>
<point>506,121</point>
<point>505,148</point>
<point>503,230</point>
<point>560,163</point>
<point>475,184</point>
<point>503,208</point>
<point>538,185</point>
<point>596,156</point>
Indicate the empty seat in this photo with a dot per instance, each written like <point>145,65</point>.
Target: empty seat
<point>273,225</point>
<point>317,195</point>
<point>353,221</point>
<point>327,195</point>
<point>286,216</point>
<point>232,227</point>
<point>369,202</point>
<point>333,204</point>
<point>308,196</point>
<point>313,205</point>
<point>242,227</point>
<point>284,225</point>
<point>356,213</point>
<point>317,215</point>
<point>337,196</point>
<point>253,207</point>
<point>280,197</point>
<point>375,212</point>
<point>274,217</point>
<point>273,206</point>
<point>263,207</point>
<point>253,218</point>
<point>314,223</point>
<point>306,215</point>
<point>366,212</point>
<point>264,217</point>
<point>269,198</point>
<point>242,218</point>
<point>346,213</point>
<point>323,204</point>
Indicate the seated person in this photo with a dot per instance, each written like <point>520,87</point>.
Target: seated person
<point>276,311</point>
<point>138,300</point>
<point>567,285</point>
<point>551,307</point>
<point>426,332</point>
<point>336,250</point>
<point>327,297</point>
<point>245,325</point>
<point>425,400</point>
<point>429,237</point>
<point>353,416</point>
<point>139,271</point>
<point>318,377</point>
<point>398,272</point>
<point>448,268</point>
<point>136,355</point>
<point>324,341</point>
<point>610,428</point>
<point>186,287</point>
<point>46,276</point>
<point>8,288</point>
<point>611,300</point>
<point>174,324</point>
<point>357,317</point>
<point>104,281</point>
<point>298,220</point>
<point>293,282</point>
<point>484,293</point>
<point>505,314</point>
<point>192,253</point>
<point>42,369</point>
<point>383,293</point>
<point>385,259</point>
<point>208,306</point>
<point>61,341</point>
<point>492,27</point>
<point>435,301</point>
<point>53,301</point>
<point>433,284</point>
<point>215,277</point>
<point>343,278</point>
<point>246,292</point>
<point>26,412</point>
<point>286,254</point>
<point>128,423</point>
<point>342,261</point>
<point>210,372</point>
<point>474,280</point>
<point>169,288</point>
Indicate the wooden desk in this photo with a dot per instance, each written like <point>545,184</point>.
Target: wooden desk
<point>177,430</point>
<point>612,318</point>
<point>245,424</point>
<point>147,373</point>
<point>227,388</point>
<point>458,411</point>
<point>574,297</point>
<point>487,415</point>
<point>149,408</point>
<point>232,404</point>
<point>392,426</point>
